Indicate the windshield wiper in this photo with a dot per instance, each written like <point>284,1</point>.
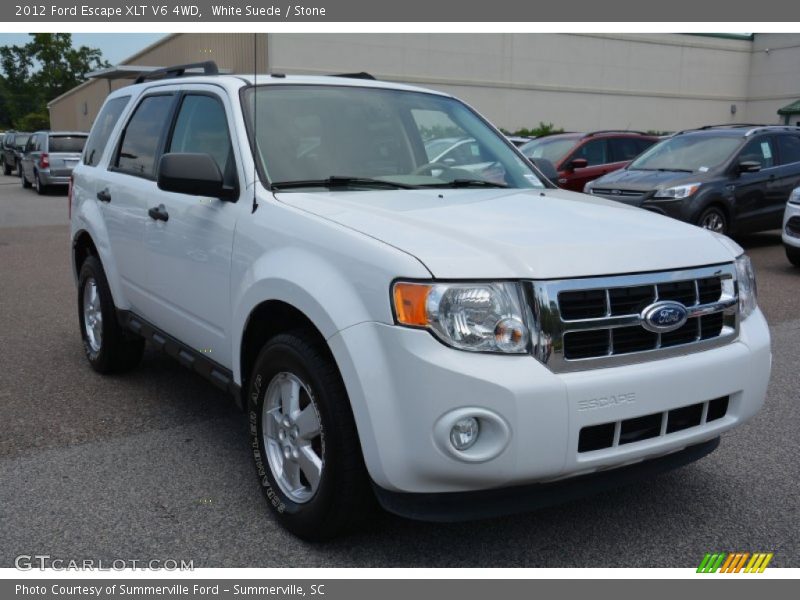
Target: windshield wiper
<point>463,183</point>
<point>336,181</point>
<point>662,169</point>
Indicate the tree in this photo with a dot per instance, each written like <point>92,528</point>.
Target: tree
<point>37,72</point>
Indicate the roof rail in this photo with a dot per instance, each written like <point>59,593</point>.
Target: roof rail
<point>360,75</point>
<point>599,131</point>
<point>771,128</point>
<point>209,68</point>
<point>732,125</point>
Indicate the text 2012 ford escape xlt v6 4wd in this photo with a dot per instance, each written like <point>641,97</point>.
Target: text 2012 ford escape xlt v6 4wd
<point>453,342</point>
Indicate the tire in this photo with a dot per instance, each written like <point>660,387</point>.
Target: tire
<point>793,254</point>
<point>6,168</point>
<point>108,348</point>
<point>715,219</point>
<point>342,498</point>
<point>37,184</point>
<point>25,183</point>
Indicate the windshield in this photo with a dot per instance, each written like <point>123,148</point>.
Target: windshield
<point>313,133</point>
<point>552,149</point>
<point>688,153</point>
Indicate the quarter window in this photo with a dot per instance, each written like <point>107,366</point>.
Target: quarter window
<point>140,142</point>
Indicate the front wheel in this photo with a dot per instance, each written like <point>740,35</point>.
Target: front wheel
<point>108,348</point>
<point>793,254</point>
<point>25,183</point>
<point>714,219</point>
<point>304,439</point>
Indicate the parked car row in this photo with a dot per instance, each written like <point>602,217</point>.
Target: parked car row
<point>42,159</point>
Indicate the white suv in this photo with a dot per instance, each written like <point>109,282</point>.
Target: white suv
<point>791,228</point>
<point>453,343</point>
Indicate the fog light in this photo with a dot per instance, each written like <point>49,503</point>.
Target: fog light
<point>464,433</point>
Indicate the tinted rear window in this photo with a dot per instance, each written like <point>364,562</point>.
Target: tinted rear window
<point>102,128</point>
<point>66,143</point>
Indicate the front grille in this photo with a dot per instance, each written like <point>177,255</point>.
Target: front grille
<point>615,193</point>
<point>793,226</point>
<point>596,322</point>
<point>637,429</point>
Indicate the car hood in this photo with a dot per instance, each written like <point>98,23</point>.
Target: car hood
<point>639,180</point>
<point>497,234</point>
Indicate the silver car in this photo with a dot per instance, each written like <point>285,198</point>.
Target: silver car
<point>49,158</point>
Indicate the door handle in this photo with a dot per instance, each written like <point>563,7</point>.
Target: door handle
<point>158,213</point>
<point>104,195</point>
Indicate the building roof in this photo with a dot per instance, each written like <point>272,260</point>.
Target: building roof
<point>790,109</point>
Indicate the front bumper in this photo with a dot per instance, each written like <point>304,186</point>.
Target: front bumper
<point>403,384</point>
<point>791,231</point>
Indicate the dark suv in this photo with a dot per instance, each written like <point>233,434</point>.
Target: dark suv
<point>582,157</point>
<point>13,145</point>
<point>727,178</point>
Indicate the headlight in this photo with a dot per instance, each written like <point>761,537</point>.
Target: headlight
<point>478,317</point>
<point>587,189</point>
<point>746,280</point>
<point>794,197</point>
<point>677,192</point>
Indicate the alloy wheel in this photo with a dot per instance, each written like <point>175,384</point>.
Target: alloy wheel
<point>92,315</point>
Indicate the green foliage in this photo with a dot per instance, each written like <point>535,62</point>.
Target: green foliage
<point>36,72</point>
<point>542,129</point>
<point>34,121</point>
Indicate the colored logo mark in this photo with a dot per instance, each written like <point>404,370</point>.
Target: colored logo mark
<point>734,562</point>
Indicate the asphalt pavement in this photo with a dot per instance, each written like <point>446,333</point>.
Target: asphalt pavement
<point>155,464</point>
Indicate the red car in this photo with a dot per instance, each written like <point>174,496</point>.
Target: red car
<point>581,157</point>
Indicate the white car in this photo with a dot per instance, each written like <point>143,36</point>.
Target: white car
<point>791,228</point>
<point>395,330</point>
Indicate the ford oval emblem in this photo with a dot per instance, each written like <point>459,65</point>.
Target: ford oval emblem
<point>663,317</point>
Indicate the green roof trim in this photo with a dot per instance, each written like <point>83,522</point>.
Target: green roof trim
<point>790,109</point>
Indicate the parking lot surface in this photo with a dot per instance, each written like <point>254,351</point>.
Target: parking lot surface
<point>155,464</point>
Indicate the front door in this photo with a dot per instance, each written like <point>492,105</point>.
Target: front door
<point>189,254</point>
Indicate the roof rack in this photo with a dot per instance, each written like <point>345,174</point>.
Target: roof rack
<point>732,125</point>
<point>209,67</point>
<point>599,131</point>
<point>360,75</point>
<point>771,128</point>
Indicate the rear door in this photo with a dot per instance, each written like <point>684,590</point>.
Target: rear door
<point>189,254</point>
<point>32,153</point>
<point>125,190</point>
<point>597,154</point>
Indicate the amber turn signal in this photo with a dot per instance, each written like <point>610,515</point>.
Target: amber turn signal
<point>409,303</point>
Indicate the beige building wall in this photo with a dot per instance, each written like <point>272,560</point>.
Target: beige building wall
<point>576,81</point>
<point>774,76</point>
<point>579,82</point>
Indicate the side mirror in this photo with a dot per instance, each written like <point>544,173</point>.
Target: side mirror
<point>193,174</point>
<point>578,163</point>
<point>749,166</point>
<point>546,167</point>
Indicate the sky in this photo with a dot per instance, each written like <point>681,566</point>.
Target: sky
<point>115,46</point>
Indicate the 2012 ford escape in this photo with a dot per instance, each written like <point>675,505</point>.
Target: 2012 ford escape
<point>456,343</point>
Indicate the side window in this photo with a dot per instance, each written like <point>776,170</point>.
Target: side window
<point>101,130</point>
<point>201,127</point>
<point>643,145</point>
<point>623,149</point>
<point>789,149</point>
<point>759,150</point>
<point>140,141</point>
<point>594,151</point>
